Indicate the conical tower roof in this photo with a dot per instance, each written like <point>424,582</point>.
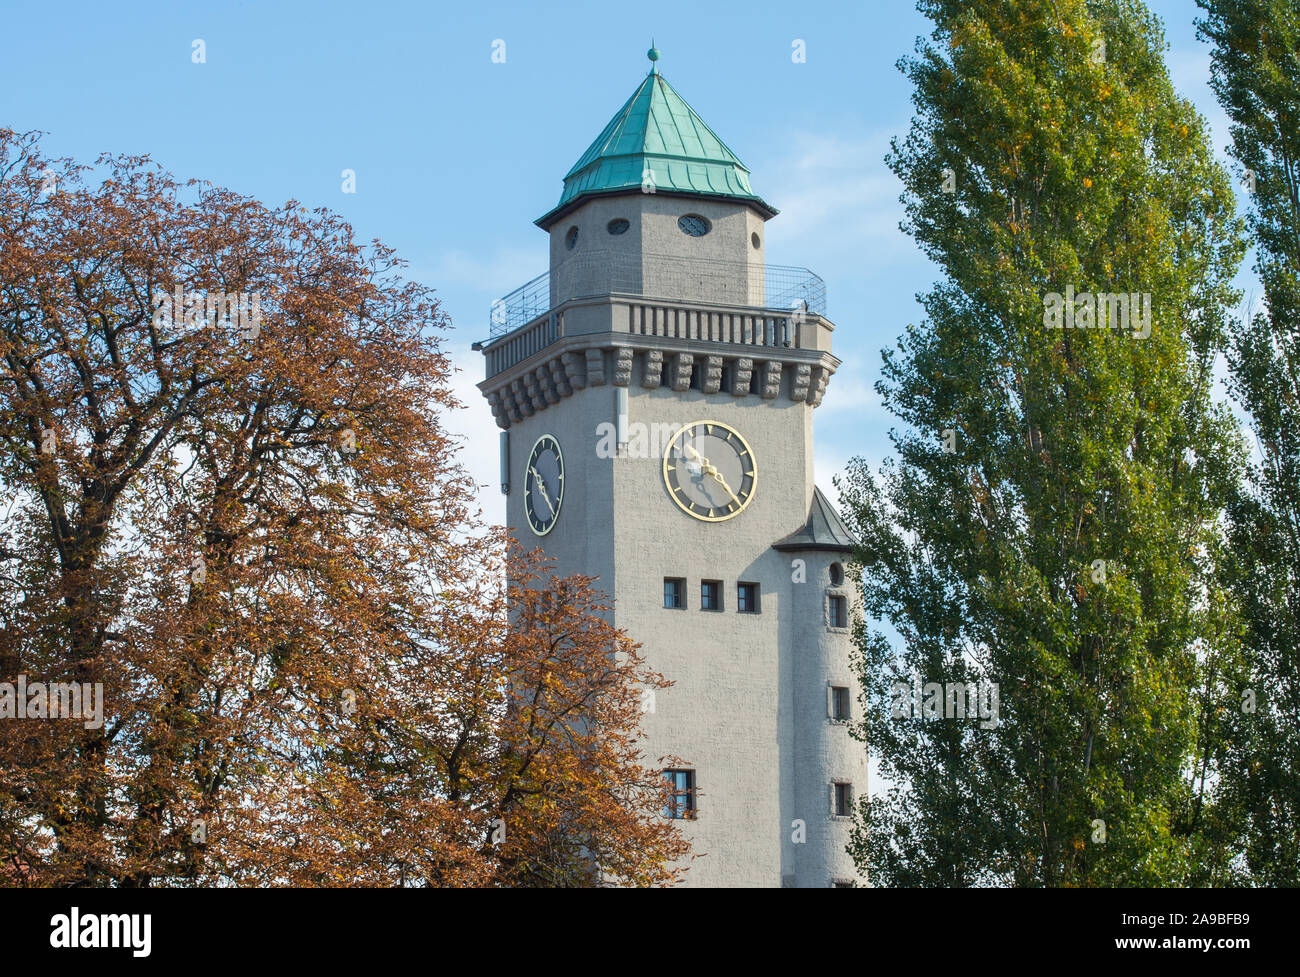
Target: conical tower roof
<point>824,530</point>
<point>656,132</point>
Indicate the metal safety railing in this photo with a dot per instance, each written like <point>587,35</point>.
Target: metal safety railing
<point>665,277</point>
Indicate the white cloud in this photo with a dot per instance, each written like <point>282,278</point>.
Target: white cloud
<point>850,390</point>
<point>478,433</point>
<point>498,273</point>
<point>836,195</point>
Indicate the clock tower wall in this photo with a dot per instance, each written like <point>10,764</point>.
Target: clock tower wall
<point>731,706</point>
<point>655,254</point>
<point>659,332</point>
<point>580,541</point>
<point>821,752</point>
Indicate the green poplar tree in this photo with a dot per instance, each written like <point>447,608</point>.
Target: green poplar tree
<point>1256,75</point>
<point>1049,524</point>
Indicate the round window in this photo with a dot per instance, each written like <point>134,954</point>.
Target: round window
<point>617,226</point>
<point>694,225</point>
<point>571,237</point>
<point>837,574</point>
<point>754,239</point>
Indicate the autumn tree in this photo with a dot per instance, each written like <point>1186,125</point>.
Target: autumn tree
<point>537,735</point>
<point>1049,525</point>
<point>1255,73</point>
<point>231,500</point>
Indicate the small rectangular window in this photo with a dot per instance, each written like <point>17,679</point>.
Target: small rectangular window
<point>747,598</point>
<point>843,800</point>
<point>840,703</point>
<point>710,595</point>
<point>674,592</point>
<point>839,612</point>
<point>682,802</point>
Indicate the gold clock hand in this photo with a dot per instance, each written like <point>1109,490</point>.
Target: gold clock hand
<point>541,484</point>
<point>711,471</point>
<point>696,456</point>
<point>717,477</point>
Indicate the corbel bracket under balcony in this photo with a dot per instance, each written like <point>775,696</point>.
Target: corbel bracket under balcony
<point>572,364</point>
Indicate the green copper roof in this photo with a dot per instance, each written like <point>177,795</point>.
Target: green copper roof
<point>656,130</point>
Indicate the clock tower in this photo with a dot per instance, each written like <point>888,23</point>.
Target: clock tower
<point>655,391</point>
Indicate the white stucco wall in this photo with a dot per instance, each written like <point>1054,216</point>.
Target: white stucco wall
<point>749,708</point>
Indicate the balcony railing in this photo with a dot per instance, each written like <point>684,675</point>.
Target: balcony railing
<point>745,331</point>
<point>669,277</point>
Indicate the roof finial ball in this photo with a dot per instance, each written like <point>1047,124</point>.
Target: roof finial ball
<point>653,55</point>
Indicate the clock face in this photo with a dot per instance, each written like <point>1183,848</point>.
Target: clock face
<point>710,471</point>
<point>544,485</point>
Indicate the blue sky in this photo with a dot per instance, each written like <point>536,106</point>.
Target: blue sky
<point>456,155</point>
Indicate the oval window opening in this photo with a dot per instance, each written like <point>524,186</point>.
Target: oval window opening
<point>571,238</point>
<point>837,574</point>
<point>617,226</point>
<point>694,225</point>
<point>754,238</point>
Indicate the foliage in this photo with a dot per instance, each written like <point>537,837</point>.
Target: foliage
<point>1066,549</point>
<point>1256,75</point>
<point>256,534</point>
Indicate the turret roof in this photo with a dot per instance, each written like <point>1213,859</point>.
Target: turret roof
<point>656,140</point>
<point>824,530</point>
